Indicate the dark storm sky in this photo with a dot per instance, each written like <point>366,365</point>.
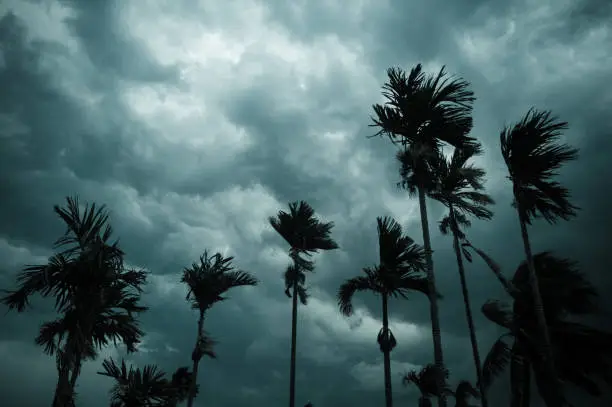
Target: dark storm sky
<point>196,120</point>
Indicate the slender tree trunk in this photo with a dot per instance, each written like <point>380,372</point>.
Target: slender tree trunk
<point>387,354</point>
<point>196,362</point>
<point>508,286</point>
<point>433,298</point>
<point>468,310</point>
<point>63,394</point>
<point>293,344</point>
<point>555,397</point>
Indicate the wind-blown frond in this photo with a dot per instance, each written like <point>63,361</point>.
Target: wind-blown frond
<point>428,380</point>
<point>350,287</point>
<point>533,155</point>
<point>209,280</point>
<point>496,360</point>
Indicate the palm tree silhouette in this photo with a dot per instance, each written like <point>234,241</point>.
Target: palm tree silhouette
<point>423,112</point>
<point>147,387</point>
<point>208,282</point>
<point>401,269</point>
<point>431,382</point>
<point>459,188</point>
<point>582,354</point>
<point>464,391</point>
<point>305,235</point>
<point>533,154</point>
<point>95,294</point>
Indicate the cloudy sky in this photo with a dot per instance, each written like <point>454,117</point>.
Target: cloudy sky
<point>196,120</point>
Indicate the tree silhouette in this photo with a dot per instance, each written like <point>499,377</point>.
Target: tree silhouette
<point>147,387</point>
<point>431,382</point>
<point>208,283</point>
<point>95,294</point>
<point>401,269</point>
<point>305,235</point>
<point>533,154</point>
<point>421,113</point>
<point>460,188</point>
<point>582,354</point>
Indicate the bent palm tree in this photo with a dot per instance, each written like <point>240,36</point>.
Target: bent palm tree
<point>208,282</point>
<point>533,155</point>
<point>305,235</point>
<point>147,387</point>
<point>459,188</point>
<point>582,354</point>
<point>400,270</point>
<point>421,114</point>
<point>431,382</point>
<point>95,294</point>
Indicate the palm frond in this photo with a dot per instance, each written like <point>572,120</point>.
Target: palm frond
<point>430,380</point>
<point>350,287</point>
<point>533,155</point>
<point>302,230</point>
<point>463,392</point>
<point>496,361</point>
<point>499,313</point>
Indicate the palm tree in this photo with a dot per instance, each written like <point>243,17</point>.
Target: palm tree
<point>305,235</point>
<point>582,354</point>
<point>460,187</point>
<point>95,294</point>
<point>533,155</point>
<point>147,387</point>
<point>423,112</point>
<point>401,269</point>
<point>431,382</point>
<point>208,282</point>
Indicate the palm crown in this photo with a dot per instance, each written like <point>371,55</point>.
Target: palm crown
<point>401,268</point>
<point>533,155</point>
<point>209,280</point>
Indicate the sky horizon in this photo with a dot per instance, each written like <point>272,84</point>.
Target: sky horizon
<point>194,121</point>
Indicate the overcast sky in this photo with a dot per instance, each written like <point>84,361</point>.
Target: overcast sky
<point>196,120</point>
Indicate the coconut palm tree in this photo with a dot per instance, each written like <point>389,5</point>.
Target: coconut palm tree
<point>147,387</point>
<point>421,114</point>
<point>431,382</point>
<point>533,155</point>
<point>460,188</point>
<point>95,294</point>
<point>401,269</point>
<point>582,354</point>
<point>208,283</point>
<point>305,235</point>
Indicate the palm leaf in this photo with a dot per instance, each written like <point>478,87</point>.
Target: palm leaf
<point>496,361</point>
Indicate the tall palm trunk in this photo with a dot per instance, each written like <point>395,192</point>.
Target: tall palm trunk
<point>196,361</point>
<point>293,344</point>
<point>554,397</point>
<point>387,354</point>
<point>468,309</point>
<point>63,393</point>
<point>433,299</point>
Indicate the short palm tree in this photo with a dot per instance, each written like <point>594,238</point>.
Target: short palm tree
<point>533,155</point>
<point>421,114</point>
<point>305,235</point>
<point>147,387</point>
<point>582,354</point>
<point>431,382</point>
<point>208,283</point>
<point>460,189</point>
<point>401,269</point>
<point>95,294</point>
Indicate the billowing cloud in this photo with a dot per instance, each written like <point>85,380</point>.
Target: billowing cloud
<point>194,121</point>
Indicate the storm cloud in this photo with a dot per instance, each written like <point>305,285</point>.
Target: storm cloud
<point>194,121</point>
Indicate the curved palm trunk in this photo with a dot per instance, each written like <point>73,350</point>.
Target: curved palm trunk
<point>433,299</point>
<point>554,397</point>
<point>293,344</point>
<point>196,362</point>
<point>468,313</point>
<point>387,354</point>
<point>496,270</point>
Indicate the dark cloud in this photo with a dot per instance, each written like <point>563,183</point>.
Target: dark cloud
<point>194,123</point>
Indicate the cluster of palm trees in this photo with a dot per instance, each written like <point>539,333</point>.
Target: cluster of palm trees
<point>97,296</point>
